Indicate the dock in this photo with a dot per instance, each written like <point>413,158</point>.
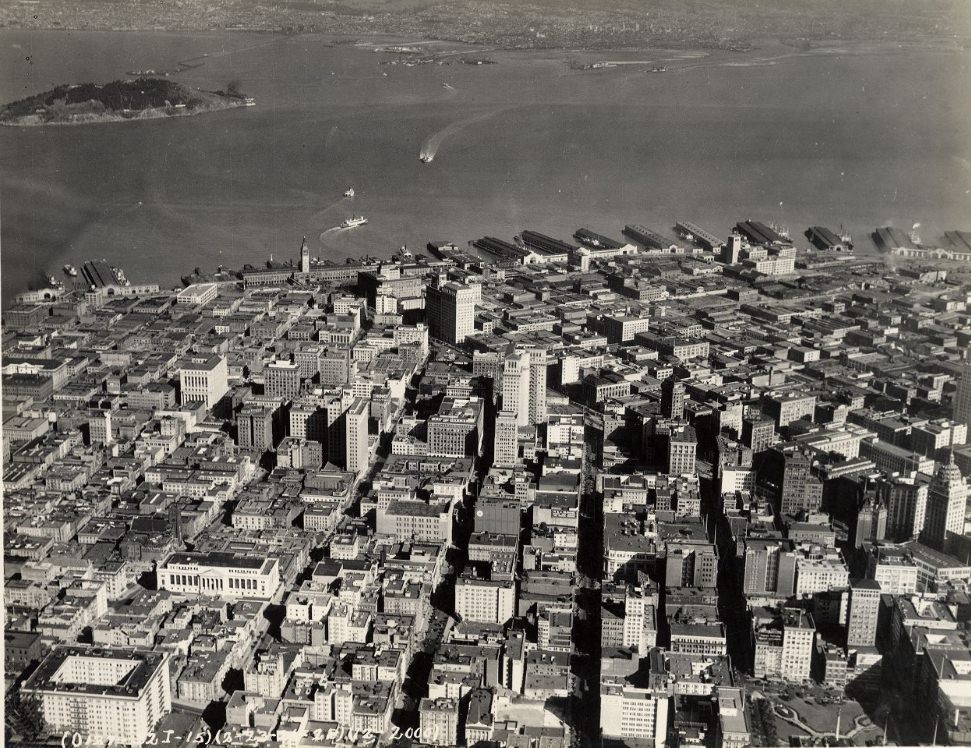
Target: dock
<point>693,233</point>
<point>824,238</point>
<point>889,238</point>
<point>648,237</point>
<point>499,252</point>
<point>98,274</point>
<point>758,233</point>
<point>547,246</point>
<point>958,240</point>
<point>595,240</point>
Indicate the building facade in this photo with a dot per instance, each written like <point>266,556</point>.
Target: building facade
<point>946,503</point>
<point>450,308</point>
<point>204,380</point>
<point>224,575</point>
<point>861,625</point>
<point>117,695</point>
<point>356,435</point>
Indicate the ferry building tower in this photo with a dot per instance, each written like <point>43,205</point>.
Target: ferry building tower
<point>304,257</point>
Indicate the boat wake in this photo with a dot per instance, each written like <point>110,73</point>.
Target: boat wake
<point>429,149</point>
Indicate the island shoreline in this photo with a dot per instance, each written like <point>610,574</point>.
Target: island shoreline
<point>144,115</point>
<point>138,99</point>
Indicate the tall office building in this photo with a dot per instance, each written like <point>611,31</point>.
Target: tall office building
<point>946,501</point>
<point>334,419</point>
<point>450,309</point>
<point>282,379</point>
<point>672,398</point>
<point>523,385</point>
<point>682,450</point>
<point>871,523</point>
<point>356,435</point>
<point>731,250</point>
<point>516,386</point>
<point>758,432</point>
<point>861,626</point>
<point>537,385</point>
<point>456,430</point>
<point>906,500</point>
<point>798,636</point>
<point>770,567</point>
<point>254,427</point>
<point>307,357</point>
<point>962,398</point>
<point>336,366</point>
<point>787,478</point>
<point>485,600</point>
<point>506,440</point>
<point>488,364</point>
<point>308,420</point>
<point>205,380</point>
<point>99,427</point>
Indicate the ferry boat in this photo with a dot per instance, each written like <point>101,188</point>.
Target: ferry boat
<point>845,237</point>
<point>354,221</point>
<point>915,237</point>
<point>120,278</point>
<point>71,270</point>
<point>349,192</point>
<point>425,159</point>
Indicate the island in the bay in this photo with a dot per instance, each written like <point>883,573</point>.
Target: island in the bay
<point>140,98</point>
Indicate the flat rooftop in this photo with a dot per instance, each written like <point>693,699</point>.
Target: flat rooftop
<point>96,671</point>
<point>217,559</point>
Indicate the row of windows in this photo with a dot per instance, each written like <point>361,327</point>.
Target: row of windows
<point>233,583</point>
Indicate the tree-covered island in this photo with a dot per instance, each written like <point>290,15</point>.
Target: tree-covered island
<point>141,98</point>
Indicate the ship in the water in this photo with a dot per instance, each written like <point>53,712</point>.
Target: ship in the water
<point>119,276</point>
<point>914,236</point>
<point>845,237</point>
<point>71,271</point>
<point>349,192</point>
<point>425,158</point>
<point>353,221</point>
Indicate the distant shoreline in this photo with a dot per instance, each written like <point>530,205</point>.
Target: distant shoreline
<point>559,27</point>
